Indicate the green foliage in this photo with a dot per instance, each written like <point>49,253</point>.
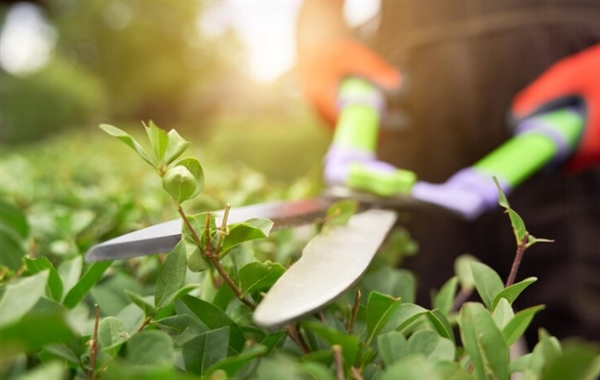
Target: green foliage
<point>14,230</point>
<point>176,316</point>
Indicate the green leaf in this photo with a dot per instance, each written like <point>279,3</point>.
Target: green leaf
<point>179,183</point>
<point>393,346</point>
<point>483,342</point>
<point>441,324</point>
<point>171,276</point>
<point>273,340</point>
<point>14,229</point>
<point>60,351</point>
<point>520,364</point>
<point>445,297</point>
<point>546,351</point>
<point>212,317</point>
<point>13,218</point>
<point>175,147</point>
<point>13,248</point>
<point>387,280</point>
<point>316,371</point>
<point>279,367</point>
<point>512,292</point>
<point>69,272</point>
<point>380,310</point>
<point>406,314</point>
<point>183,327</point>
<point>21,296</point>
<point>150,347</point>
<point>462,268</point>
<point>143,303</point>
<point>195,259</point>
<point>517,223</point>
<point>531,240</point>
<point>503,313</point>
<point>205,350</point>
<point>340,212</point>
<point>518,324</point>
<point>432,346</point>
<point>487,282</point>
<point>579,360</point>
<point>86,283</point>
<point>112,334</point>
<point>251,229</point>
<point>50,370</point>
<point>233,364</point>
<point>410,367</point>
<point>258,276</point>
<point>34,331</point>
<point>129,141</point>
<point>158,140</point>
<point>55,286</point>
<point>194,167</point>
<point>348,343</point>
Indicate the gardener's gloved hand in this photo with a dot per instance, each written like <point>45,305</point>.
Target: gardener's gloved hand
<point>323,66</point>
<point>351,160</point>
<point>575,79</point>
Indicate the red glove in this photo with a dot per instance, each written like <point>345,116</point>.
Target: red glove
<point>577,76</point>
<point>322,67</point>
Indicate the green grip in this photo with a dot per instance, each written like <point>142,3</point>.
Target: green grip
<point>358,121</point>
<point>385,184</point>
<point>357,130</point>
<point>524,154</point>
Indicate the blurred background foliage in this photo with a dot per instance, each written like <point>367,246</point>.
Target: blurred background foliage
<point>120,62</point>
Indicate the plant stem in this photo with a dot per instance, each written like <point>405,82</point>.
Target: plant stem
<point>354,311</point>
<point>222,230</point>
<point>356,375</point>
<point>517,262</point>
<point>212,257</point>
<point>94,346</point>
<point>293,332</point>
<point>339,363</point>
<point>146,322</point>
<point>462,296</point>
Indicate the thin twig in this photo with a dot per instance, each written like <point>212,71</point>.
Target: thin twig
<point>209,254</point>
<point>146,322</point>
<point>339,362</point>
<point>354,311</point>
<point>94,346</point>
<point>222,230</point>
<point>322,317</point>
<point>355,373</point>
<point>517,262</point>
<point>293,332</point>
<point>462,297</point>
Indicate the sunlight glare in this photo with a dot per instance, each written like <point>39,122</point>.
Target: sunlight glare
<point>26,41</point>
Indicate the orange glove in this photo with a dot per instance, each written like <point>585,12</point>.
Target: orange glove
<point>323,66</point>
<point>574,80</point>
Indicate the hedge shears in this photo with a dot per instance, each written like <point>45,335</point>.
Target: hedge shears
<point>334,260</point>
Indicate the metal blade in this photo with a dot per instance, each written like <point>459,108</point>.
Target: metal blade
<point>330,264</point>
<point>163,237</point>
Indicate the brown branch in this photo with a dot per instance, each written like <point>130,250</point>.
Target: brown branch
<point>355,373</point>
<point>354,311</point>
<point>293,332</point>
<point>146,322</point>
<point>91,375</point>
<point>517,261</point>
<point>222,230</point>
<point>339,362</point>
<point>462,297</point>
<point>213,258</point>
